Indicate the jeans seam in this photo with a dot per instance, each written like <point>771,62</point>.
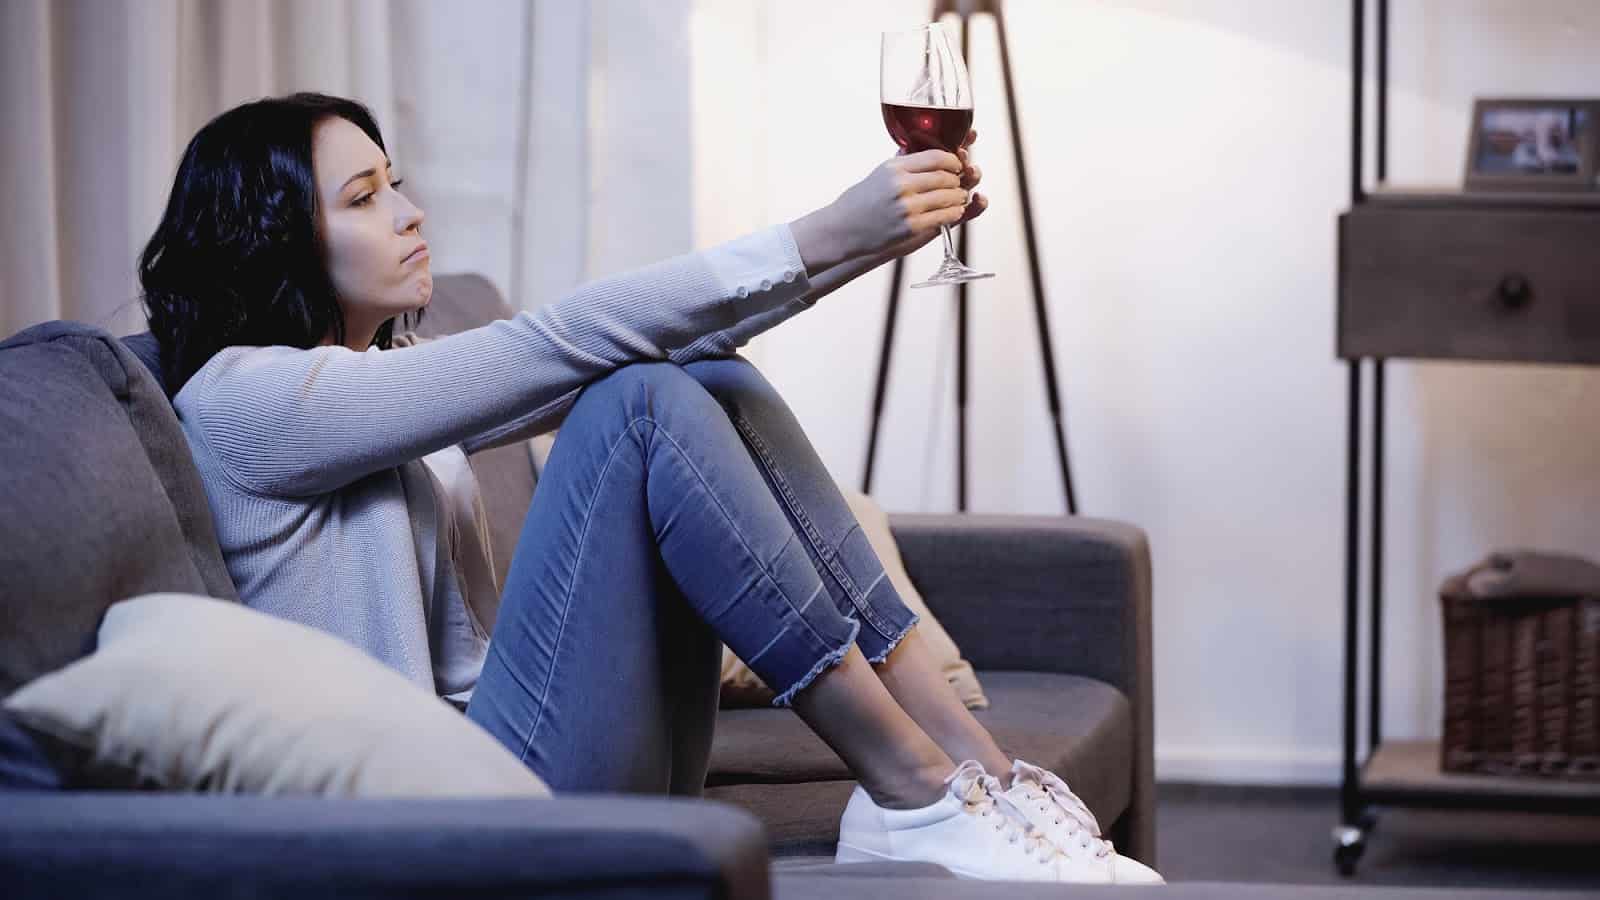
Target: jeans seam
<point>566,602</point>
<point>828,555</point>
<point>895,641</point>
<point>667,436</point>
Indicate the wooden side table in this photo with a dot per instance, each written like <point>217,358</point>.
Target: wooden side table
<point>1449,276</point>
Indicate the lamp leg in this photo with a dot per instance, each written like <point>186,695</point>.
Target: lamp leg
<point>1040,315</point>
<point>961,334</point>
<point>883,371</point>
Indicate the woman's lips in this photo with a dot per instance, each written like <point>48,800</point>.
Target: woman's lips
<point>420,253</point>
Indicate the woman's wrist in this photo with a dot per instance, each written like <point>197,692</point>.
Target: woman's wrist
<point>819,242</point>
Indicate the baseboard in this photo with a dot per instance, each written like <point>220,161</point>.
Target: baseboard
<point>1249,765</point>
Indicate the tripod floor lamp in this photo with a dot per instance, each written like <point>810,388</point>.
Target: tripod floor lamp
<point>966,9</point>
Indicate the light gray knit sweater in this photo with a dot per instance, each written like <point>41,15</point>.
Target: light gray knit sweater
<point>310,458</point>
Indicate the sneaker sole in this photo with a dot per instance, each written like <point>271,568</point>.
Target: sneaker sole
<point>848,853</point>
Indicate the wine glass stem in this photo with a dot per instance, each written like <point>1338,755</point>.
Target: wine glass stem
<point>949,244</point>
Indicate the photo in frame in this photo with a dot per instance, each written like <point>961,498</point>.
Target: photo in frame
<point>1550,144</point>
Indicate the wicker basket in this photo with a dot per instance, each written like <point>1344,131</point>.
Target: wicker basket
<point>1521,685</point>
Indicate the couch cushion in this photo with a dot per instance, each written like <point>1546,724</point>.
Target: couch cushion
<point>768,761</point>
<point>102,498</point>
<point>145,347</point>
<point>25,761</point>
<point>254,704</point>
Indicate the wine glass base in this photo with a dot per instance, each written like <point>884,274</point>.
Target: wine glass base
<point>952,271</point>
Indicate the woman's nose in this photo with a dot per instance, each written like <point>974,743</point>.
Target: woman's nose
<point>410,218</point>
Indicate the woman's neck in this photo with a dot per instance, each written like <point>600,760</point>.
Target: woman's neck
<point>358,335</point>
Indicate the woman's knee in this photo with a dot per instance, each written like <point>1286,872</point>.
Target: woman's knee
<point>736,384</point>
<point>647,388</point>
<point>653,376</point>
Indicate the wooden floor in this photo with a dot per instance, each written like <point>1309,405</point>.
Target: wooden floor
<point>1219,833</point>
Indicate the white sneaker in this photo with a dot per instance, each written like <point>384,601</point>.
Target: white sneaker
<point>1056,813</point>
<point>967,831</point>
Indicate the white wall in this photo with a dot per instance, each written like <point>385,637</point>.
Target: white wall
<point>1187,162</point>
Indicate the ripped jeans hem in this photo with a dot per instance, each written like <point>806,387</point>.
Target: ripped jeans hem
<point>828,661</point>
<point>895,641</point>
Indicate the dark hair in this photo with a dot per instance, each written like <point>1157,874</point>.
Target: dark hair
<point>237,257</point>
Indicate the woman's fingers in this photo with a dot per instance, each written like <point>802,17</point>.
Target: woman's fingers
<point>927,222</point>
<point>975,208</point>
<point>971,177</point>
<point>931,161</point>
<point>972,138</point>
<point>930,221</point>
<point>922,182</point>
<point>929,201</point>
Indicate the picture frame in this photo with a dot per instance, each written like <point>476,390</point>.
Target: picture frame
<point>1534,144</point>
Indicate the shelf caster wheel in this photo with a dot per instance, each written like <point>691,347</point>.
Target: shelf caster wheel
<point>1349,842</point>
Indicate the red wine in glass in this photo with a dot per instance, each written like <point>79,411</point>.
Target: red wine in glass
<point>917,128</point>
<point>925,95</point>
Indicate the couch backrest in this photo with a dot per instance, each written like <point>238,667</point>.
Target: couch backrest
<point>101,499</point>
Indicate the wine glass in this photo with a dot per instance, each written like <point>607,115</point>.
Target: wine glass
<point>927,103</point>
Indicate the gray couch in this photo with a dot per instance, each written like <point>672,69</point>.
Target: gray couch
<point>102,503</point>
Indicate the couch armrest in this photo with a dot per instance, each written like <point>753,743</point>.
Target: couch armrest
<point>1047,594</point>
<point>176,845</point>
<point>1038,593</point>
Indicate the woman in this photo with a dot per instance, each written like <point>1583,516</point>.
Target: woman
<point>681,506</point>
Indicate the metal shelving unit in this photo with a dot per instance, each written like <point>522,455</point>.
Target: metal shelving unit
<point>1441,276</point>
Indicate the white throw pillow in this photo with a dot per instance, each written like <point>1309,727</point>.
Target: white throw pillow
<point>191,693</point>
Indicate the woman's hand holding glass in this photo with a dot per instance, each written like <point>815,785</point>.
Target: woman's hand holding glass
<point>970,176</point>
<point>898,207</point>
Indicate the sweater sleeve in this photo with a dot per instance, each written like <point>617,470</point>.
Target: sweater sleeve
<point>292,422</point>
<point>765,261</point>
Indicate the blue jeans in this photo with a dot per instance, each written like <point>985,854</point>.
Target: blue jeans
<point>681,507</point>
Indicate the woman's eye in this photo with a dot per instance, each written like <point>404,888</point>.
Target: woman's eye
<point>362,200</point>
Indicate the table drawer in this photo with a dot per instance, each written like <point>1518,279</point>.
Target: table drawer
<point>1484,284</point>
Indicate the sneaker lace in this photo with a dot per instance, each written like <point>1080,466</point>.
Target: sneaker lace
<point>981,795</point>
<point>1048,790</point>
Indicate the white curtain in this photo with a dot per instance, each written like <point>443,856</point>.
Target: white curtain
<point>498,112</point>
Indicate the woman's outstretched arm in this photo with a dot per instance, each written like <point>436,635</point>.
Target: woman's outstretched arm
<point>295,422</point>
<point>826,276</point>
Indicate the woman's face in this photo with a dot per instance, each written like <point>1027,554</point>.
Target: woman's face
<point>370,231</point>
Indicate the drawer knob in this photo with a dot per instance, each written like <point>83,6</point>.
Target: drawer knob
<point>1515,291</point>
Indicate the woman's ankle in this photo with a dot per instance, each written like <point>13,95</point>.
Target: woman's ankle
<point>911,788</point>
<point>962,745</point>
